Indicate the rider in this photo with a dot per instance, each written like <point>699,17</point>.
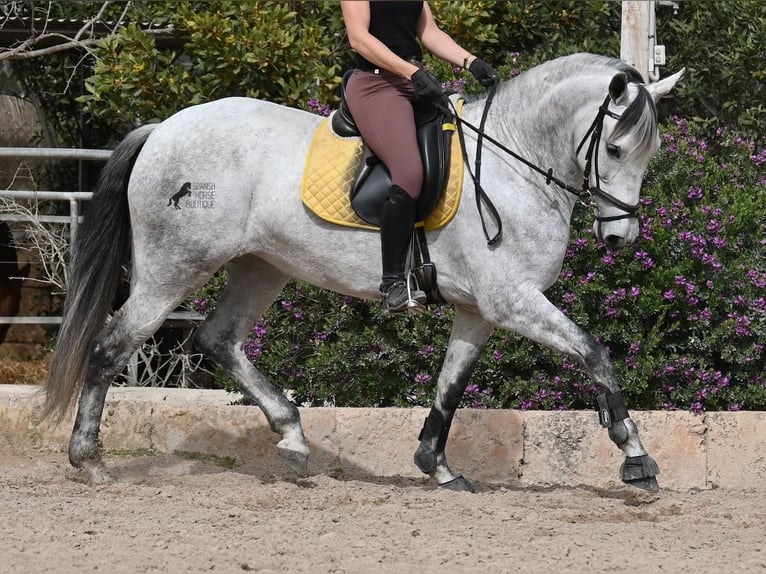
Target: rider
<point>389,75</point>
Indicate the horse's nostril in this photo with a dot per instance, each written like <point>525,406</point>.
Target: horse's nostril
<point>614,242</point>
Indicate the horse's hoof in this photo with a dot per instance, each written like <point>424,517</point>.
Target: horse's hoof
<point>641,472</point>
<point>648,484</point>
<point>297,460</point>
<point>90,473</point>
<point>458,484</point>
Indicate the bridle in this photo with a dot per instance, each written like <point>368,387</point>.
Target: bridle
<point>591,162</point>
<point>587,194</point>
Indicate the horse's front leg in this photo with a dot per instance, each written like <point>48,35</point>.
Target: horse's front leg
<point>469,335</point>
<point>533,316</point>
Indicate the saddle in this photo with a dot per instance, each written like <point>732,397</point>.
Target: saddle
<point>370,189</point>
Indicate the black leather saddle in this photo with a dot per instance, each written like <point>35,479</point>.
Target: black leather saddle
<point>370,189</point>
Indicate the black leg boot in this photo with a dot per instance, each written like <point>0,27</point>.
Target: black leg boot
<point>396,224</point>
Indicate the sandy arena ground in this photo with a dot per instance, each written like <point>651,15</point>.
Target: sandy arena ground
<point>165,513</point>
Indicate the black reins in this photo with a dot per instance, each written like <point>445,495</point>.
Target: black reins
<point>585,193</point>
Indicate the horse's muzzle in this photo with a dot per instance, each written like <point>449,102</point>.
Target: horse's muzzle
<point>617,232</point>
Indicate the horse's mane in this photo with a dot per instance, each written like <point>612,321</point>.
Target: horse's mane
<point>639,117</point>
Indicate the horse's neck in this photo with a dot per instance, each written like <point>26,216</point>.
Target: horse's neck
<point>539,122</point>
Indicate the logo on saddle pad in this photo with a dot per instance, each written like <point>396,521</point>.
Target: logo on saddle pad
<point>201,196</point>
<point>333,168</point>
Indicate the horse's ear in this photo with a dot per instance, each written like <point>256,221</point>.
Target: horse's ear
<point>661,88</point>
<point>618,89</point>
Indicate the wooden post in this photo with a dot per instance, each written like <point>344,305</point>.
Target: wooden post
<point>635,41</point>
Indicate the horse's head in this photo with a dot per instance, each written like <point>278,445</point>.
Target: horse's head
<point>615,153</point>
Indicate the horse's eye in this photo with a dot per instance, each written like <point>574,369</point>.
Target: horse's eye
<point>613,151</point>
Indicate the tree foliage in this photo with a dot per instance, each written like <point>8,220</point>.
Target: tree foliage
<point>723,47</point>
<point>293,52</point>
<point>278,51</point>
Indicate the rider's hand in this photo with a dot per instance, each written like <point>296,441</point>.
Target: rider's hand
<point>483,72</point>
<point>426,86</point>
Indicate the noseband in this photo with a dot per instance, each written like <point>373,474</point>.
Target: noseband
<point>586,193</point>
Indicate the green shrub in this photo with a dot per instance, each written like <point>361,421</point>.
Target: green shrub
<point>684,308</point>
<point>723,47</point>
<point>277,51</point>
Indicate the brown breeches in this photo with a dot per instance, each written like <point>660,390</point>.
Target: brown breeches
<point>381,106</point>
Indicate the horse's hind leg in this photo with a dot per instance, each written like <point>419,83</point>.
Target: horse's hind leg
<point>131,325</point>
<point>469,335</point>
<point>252,286</point>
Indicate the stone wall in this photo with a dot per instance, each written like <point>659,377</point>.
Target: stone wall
<point>534,448</point>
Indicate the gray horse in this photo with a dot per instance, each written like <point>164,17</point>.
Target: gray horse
<point>583,117</point>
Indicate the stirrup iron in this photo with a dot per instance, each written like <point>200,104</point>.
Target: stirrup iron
<point>414,307</point>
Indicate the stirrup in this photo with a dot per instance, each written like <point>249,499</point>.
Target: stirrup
<point>407,298</point>
<point>415,304</point>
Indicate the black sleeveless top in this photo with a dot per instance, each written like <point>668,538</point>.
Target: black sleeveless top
<point>395,23</point>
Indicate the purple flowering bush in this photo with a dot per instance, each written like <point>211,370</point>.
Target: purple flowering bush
<point>682,312</point>
<point>331,349</point>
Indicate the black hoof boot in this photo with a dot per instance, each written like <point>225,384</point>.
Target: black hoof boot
<point>641,472</point>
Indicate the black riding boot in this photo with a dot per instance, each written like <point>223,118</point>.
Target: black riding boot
<point>396,224</point>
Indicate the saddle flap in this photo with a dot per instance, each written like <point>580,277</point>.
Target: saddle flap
<point>434,136</point>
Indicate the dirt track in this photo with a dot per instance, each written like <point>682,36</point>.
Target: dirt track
<point>169,514</point>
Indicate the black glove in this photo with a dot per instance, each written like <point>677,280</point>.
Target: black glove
<point>483,72</point>
<point>426,86</point>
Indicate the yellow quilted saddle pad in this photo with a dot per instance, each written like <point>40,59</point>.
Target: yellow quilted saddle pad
<point>332,165</point>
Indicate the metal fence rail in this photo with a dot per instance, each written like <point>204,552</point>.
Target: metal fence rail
<point>73,197</point>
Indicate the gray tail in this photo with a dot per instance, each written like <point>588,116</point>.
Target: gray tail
<point>101,247</point>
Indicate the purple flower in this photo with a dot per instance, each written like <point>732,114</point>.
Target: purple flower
<point>319,108</point>
<point>422,378</point>
<point>669,295</point>
<point>743,326</point>
<point>200,305</point>
<point>589,277</point>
